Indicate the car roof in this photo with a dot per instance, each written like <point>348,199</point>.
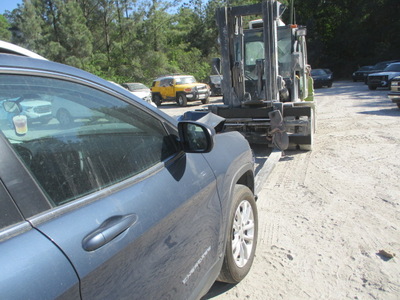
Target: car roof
<point>13,56</point>
<point>387,62</point>
<point>23,62</point>
<point>9,48</point>
<point>172,76</point>
<point>134,83</point>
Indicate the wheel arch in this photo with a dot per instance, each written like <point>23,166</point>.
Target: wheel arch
<point>246,179</point>
<point>245,176</point>
<point>233,276</point>
<point>156,94</point>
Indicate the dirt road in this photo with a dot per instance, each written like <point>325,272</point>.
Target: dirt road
<point>325,215</point>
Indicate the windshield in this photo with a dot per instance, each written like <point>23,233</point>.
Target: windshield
<point>254,51</point>
<point>365,68</point>
<point>284,51</point>
<point>380,66</point>
<point>185,80</point>
<point>318,72</point>
<point>136,86</point>
<point>215,78</point>
<point>253,48</point>
<point>393,68</point>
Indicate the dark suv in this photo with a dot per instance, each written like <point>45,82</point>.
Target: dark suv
<point>361,73</point>
<point>379,67</point>
<point>383,79</point>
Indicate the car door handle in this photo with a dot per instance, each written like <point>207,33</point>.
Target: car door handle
<point>107,231</point>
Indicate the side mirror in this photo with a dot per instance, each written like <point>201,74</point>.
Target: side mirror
<point>11,107</point>
<point>196,137</point>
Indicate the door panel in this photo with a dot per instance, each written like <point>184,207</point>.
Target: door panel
<point>32,267</point>
<point>165,252</point>
<point>135,216</point>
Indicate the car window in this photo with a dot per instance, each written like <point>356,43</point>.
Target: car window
<point>134,86</point>
<point>393,68</point>
<point>165,82</point>
<point>215,79</point>
<point>185,80</point>
<point>90,139</point>
<point>317,72</point>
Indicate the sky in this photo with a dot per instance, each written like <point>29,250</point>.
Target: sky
<point>8,5</point>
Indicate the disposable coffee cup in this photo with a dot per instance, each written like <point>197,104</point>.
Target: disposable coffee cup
<point>20,124</point>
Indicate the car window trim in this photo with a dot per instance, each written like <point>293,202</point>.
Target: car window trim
<point>8,206</point>
<point>14,230</point>
<point>19,182</point>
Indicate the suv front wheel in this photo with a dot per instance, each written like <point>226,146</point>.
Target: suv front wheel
<point>181,100</point>
<point>157,99</point>
<point>205,101</point>
<point>241,242</point>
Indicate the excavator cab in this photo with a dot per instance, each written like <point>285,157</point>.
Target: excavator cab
<point>264,76</point>
<point>292,59</point>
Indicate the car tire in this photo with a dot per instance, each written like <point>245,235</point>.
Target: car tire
<point>64,117</point>
<point>181,100</point>
<point>372,87</point>
<point>205,101</point>
<point>157,99</point>
<point>241,241</point>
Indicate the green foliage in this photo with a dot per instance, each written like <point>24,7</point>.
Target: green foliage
<point>129,40</point>
<point>5,33</point>
<point>344,34</point>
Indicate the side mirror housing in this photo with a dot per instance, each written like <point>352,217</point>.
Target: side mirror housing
<point>196,137</point>
<point>11,107</point>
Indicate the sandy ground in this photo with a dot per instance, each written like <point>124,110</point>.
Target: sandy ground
<point>325,215</point>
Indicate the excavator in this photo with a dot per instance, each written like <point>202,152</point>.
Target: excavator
<point>265,74</point>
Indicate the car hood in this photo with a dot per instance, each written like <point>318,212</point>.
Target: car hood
<point>141,93</point>
<point>388,74</point>
<point>192,85</point>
